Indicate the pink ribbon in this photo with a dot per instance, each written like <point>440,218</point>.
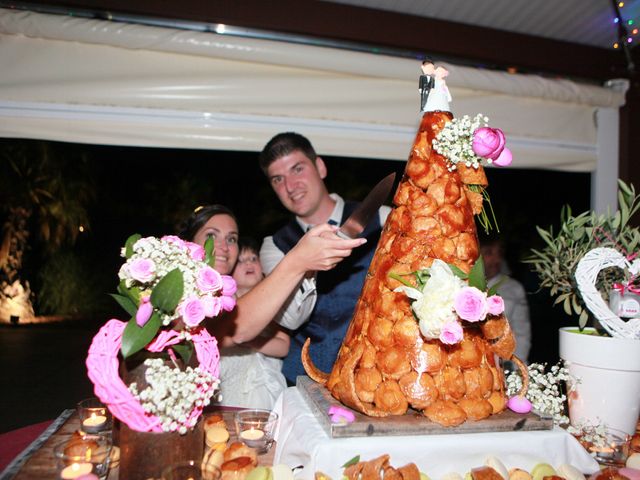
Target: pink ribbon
<point>621,287</point>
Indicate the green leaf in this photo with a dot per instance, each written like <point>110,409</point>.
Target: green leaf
<point>584,318</point>
<point>167,293</point>
<point>567,305</point>
<point>209,251</point>
<point>476,275</point>
<point>185,350</point>
<point>128,246</point>
<point>132,293</point>
<point>135,338</point>
<point>397,277</point>
<point>493,290</point>
<point>458,272</point>
<point>353,461</point>
<point>126,303</point>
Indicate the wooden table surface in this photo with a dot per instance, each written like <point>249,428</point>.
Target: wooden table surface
<point>41,464</point>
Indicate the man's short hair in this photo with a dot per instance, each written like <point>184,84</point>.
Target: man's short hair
<point>284,144</point>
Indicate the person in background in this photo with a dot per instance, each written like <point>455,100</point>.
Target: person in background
<point>511,291</point>
<point>320,307</point>
<point>248,270</point>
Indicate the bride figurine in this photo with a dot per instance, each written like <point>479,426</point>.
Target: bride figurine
<point>434,94</point>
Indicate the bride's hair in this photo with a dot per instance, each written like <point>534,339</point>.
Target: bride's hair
<point>201,215</point>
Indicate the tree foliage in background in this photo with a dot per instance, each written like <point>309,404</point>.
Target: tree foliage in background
<point>43,198</point>
<point>557,261</point>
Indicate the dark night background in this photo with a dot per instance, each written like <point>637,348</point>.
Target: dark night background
<point>148,191</point>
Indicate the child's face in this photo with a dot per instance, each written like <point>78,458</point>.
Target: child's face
<point>248,271</point>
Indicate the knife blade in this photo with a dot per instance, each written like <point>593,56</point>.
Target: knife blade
<point>361,216</point>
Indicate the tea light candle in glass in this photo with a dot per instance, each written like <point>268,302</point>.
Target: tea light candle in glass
<point>94,416</point>
<point>256,428</point>
<point>83,458</point>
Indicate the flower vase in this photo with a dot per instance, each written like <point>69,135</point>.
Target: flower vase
<point>607,374</point>
<point>144,455</point>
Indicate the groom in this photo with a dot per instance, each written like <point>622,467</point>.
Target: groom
<point>322,306</point>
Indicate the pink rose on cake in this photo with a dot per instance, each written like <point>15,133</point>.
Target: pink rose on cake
<point>495,305</point>
<point>471,304</point>
<point>489,143</point>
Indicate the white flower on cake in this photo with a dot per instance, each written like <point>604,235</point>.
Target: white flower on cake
<point>433,305</point>
<point>446,296</point>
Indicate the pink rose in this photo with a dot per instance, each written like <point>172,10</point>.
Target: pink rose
<point>490,143</point>
<point>142,269</point>
<point>192,311</point>
<point>229,286</point>
<point>495,305</point>
<point>451,333</point>
<point>228,303</point>
<point>195,251</point>
<point>470,304</point>
<point>212,306</point>
<point>145,310</point>
<point>175,240</point>
<point>208,280</point>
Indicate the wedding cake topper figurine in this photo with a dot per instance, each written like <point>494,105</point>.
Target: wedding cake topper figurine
<point>434,94</point>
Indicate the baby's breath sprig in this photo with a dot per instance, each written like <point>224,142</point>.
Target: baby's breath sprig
<point>455,141</point>
<point>173,394</point>
<point>545,390</point>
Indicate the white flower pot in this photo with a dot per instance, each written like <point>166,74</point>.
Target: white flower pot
<point>608,373</point>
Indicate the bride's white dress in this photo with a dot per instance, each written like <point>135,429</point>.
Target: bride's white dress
<point>249,379</point>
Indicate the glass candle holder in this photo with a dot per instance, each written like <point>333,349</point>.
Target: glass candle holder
<point>94,416</point>
<point>615,450</point>
<point>191,470</point>
<point>85,457</point>
<point>256,428</point>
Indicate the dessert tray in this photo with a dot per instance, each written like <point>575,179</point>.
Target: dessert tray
<point>319,400</point>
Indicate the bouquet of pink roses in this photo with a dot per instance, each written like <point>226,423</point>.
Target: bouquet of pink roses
<point>168,287</point>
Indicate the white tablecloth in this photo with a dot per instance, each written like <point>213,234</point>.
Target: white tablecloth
<point>301,440</point>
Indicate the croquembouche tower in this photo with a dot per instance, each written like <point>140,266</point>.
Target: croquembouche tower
<point>407,347</point>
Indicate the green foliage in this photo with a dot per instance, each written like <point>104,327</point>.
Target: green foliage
<point>209,250</point>
<point>135,338</point>
<point>128,246</point>
<point>557,261</point>
<point>69,286</point>
<point>167,293</point>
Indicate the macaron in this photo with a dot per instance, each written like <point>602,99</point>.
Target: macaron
<point>542,470</point>
<point>282,472</point>
<point>260,473</point>
<point>214,421</point>
<point>633,461</point>
<point>497,465</point>
<point>217,437</point>
<point>630,473</point>
<point>519,474</point>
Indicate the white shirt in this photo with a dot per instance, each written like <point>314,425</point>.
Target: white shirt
<point>300,305</point>
<point>516,310</point>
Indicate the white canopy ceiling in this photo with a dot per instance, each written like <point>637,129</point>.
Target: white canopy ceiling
<point>92,81</point>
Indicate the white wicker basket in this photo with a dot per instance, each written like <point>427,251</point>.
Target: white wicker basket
<point>586,275</point>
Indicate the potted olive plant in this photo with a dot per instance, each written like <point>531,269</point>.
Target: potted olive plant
<point>590,267</point>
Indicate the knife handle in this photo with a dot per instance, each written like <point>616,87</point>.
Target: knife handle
<point>343,235</point>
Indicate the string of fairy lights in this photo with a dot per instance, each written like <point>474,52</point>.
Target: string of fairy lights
<point>627,29</point>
